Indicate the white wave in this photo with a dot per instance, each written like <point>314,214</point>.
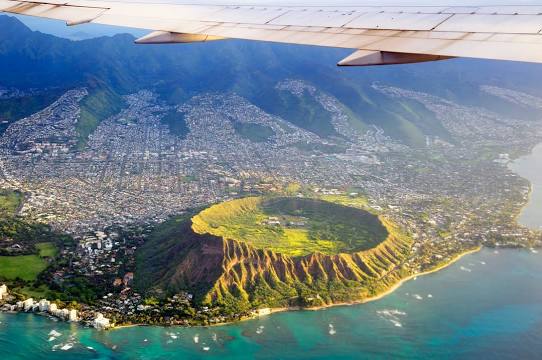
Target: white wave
<point>54,333</point>
<point>396,323</point>
<point>417,297</point>
<point>462,268</point>
<point>534,251</point>
<point>196,339</point>
<point>482,262</point>
<point>67,346</point>
<point>392,315</point>
<point>430,296</point>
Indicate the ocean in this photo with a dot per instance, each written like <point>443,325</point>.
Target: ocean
<point>486,306</point>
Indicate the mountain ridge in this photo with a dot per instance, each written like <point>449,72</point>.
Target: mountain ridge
<point>252,70</point>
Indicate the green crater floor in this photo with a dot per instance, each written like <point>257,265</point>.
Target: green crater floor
<point>293,226</point>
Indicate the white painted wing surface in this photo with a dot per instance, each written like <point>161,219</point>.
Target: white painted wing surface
<point>384,35</point>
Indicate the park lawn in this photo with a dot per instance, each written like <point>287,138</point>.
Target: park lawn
<point>41,292</point>
<point>27,267</point>
<point>47,249</point>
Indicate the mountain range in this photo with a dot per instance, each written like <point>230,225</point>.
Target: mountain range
<point>114,66</point>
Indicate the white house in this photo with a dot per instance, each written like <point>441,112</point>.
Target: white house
<point>27,304</point>
<point>100,322</point>
<point>73,315</point>
<point>3,291</point>
<point>43,305</point>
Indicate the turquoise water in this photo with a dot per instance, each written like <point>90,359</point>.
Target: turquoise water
<point>486,306</point>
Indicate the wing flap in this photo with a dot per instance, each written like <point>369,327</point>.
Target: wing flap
<point>497,32</point>
<point>371,58</point>
<point>517,47</point>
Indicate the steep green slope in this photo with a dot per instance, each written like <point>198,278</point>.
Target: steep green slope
<point>13,109</point>
<point>303,111</point>
<point>158,259</point>
<point>98,105</point>
<point>9,202</point>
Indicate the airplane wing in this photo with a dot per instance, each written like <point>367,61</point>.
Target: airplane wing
<point>380,35</point>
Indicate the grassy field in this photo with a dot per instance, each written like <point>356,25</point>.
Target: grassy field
<point>306,225</point>
<point>47,249</point>
<point>254,132</point>
<point>9,201</point>
<point>26,267</point>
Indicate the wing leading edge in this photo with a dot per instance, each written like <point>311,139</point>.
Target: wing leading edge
<point>379,35</point>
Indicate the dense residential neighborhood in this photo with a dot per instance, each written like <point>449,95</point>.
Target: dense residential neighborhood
<point>136,171</point>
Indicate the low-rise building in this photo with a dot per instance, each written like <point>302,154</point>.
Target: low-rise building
<point>28,304</point>
<point>43,305</point>
<point>73,316</point>
<point>101,322</point>
<point>3,291</point>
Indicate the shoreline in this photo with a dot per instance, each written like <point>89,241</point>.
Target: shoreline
<point>529,195</point>
<point>271,311</point>
<point>529,200</point>
<point>389,291</point>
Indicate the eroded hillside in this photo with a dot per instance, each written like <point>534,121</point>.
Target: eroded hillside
<point>240,275</point>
